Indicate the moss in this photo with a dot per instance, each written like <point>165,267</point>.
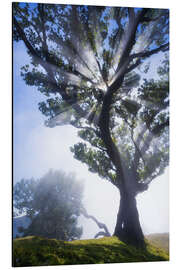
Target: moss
<point>37,251</point>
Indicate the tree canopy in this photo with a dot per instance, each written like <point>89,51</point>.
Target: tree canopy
<point>52,203</point>
<point>87,61</point>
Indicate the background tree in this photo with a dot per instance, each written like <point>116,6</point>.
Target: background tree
<point>52,203</point>
<point>85,60</point>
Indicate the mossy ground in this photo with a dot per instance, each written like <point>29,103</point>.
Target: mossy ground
<point>37,251</point>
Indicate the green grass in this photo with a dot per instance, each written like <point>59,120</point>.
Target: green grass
<point>160,240</point>
<point>37,251</point>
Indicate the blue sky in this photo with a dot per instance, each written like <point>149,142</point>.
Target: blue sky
<point>38,148</point>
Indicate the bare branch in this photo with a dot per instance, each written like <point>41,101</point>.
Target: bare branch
<point>99,224</point>
<point>101,234</point>
<point>149,53</point>
<point>133,66</point>
<point>131,14</point>
<point>125,58</point>
<point>100,70</point>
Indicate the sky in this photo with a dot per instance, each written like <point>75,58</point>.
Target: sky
<point>38,148</point>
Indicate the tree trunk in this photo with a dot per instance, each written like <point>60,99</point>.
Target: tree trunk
<point>128,228</point>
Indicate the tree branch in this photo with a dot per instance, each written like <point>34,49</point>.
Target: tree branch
<point>125,58</point>
<point>45,65</point>
<point>130,40</point>
<point>101,234</point>
<point>137,152</point>
<point>100,70</point>
<point>99,224</point>
<point>21,33</point>
<point>149,53</point>
<point>112,149</point>
<point>45,48</point>
<point>148,19</point>
<point>144,148</point>
<point>44,42</point>
<point>108,98</point>
<point>133,66</point>
<point>131,14</point>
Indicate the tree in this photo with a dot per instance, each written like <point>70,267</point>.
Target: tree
<point>52,203</point>
<point>85,59</point>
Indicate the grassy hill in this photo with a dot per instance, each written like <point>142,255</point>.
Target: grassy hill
<point>37,251</point>
<point>160,240</point>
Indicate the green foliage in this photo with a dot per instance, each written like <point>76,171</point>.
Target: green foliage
<point>36,251</point>
<point>87,57</point>
<point>155,115</point>
<point>131,106</point>
<point>155,93</point>
<point>66,37</point>
<point>52,203</point>
<point>22,197</point>
<point>96,159</point>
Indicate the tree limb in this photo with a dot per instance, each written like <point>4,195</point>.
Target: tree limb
<point>148,19</point>
<point>101,234</point>
<point>112,149</point>
<point>132,28</point>
<point>133,66</point>
<point>99,224</point>
<point>125,57</point>
<point>149,53</point>
<point>45,65</point>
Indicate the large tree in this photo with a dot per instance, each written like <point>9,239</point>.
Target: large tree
<point>86,60</point>
<point>52,204</point>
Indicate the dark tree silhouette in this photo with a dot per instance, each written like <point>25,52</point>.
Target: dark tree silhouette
<point>85,59</point>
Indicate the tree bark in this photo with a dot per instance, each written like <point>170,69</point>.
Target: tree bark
<point>128,228</point>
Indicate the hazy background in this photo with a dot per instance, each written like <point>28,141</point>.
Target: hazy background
<point>38,148</point>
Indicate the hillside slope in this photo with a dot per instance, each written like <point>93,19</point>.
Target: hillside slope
<point>160,240</point>
<point>37,251</point>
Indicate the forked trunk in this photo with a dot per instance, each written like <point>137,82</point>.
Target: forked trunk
<point>128,228</point>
